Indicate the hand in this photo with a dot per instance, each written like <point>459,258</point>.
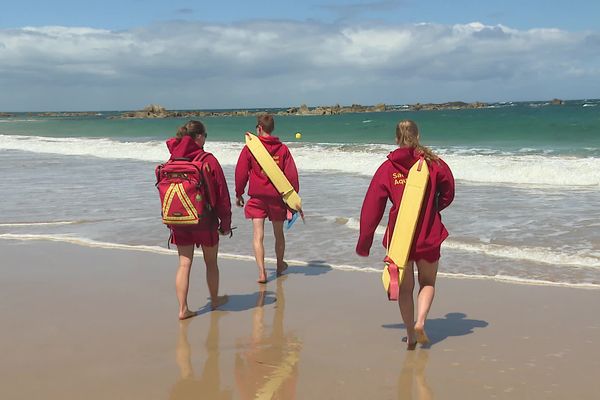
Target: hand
<point>227,231</point>
<point>239,201</point>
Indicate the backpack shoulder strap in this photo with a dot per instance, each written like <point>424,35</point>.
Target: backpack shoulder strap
<point>200,157</point>
<point>208,179</point>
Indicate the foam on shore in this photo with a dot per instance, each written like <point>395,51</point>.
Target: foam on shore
<point>299,263</point>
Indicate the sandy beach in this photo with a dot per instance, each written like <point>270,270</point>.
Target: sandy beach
<point>82,322</point>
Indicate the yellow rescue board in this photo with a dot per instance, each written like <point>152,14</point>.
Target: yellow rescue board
<point>404,230</point>
<point>273,172</point>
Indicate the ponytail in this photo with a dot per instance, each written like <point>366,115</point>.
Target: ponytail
<point>191,129</point>
<point>181,132</point>
<point>407,134</point>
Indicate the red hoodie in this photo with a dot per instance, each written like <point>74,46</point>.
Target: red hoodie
<point>188,148</point>
<point>247,168</point>
<point>388,182</point>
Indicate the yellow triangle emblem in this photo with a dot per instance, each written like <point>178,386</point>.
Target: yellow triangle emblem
<point>176,193</point>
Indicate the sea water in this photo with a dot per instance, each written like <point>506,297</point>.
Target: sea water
<point>527,205</point>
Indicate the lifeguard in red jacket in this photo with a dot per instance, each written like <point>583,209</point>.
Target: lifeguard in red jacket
<point>265,201</point>
<point>189,143</point>
<point>388,183</point>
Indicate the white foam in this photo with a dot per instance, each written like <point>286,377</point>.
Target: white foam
<point>340,267</point>
<point>65,238</point>
<point>472,165</point>
<point>21,120</point>
<point>534,254</point>
<point>354,223</point>
<point>93,147</point>
<point>526,169</point>
<point>52,223</point>
<point>520,281</point>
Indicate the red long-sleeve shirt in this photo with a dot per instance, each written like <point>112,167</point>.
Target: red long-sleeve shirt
<point>248,169</point>
<point>388,183</point>
<point>187,147</point>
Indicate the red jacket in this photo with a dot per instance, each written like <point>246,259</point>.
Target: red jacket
<point>188,148</point>
<point>388,183</point>
<point>247,168</point>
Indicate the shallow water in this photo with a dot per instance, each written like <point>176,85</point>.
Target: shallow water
<point>523,211</point>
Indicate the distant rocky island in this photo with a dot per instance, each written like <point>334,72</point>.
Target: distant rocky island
<point>158,111</point>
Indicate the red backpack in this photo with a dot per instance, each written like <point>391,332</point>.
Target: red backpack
<point>186,191</point>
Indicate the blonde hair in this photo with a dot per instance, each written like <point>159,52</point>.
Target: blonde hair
<point>407,134</point>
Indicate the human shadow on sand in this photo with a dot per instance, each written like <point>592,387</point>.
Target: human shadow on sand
<point>242,302</point>
<point>313,268</point>
<point>438,329</point>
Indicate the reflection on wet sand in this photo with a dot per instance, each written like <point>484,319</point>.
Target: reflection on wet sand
<point>266,366</point>
<point>413,377</point>
<point>208,385</point>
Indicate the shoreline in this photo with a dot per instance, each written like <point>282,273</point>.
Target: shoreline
<point>89,243</point>
<point>101,323</point>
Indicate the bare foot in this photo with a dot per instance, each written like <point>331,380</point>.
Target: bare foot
<point>186,314</point>
<point>411,344</point>
<point>421,335</point>
<point>282,268</point>
<point>262,276</point>
<point>220,300</point>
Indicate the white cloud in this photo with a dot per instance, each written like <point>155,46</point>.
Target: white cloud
<point>270,63</point>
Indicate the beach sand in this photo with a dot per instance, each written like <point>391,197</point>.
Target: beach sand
<point>94,323</point>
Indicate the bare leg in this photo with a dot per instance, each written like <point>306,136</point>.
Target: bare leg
<point>259,249</point>
<point>182,279</point>
<point>212,275</point>
<point>407,305</point>
<point>427,275</point>
<point>279,246</point>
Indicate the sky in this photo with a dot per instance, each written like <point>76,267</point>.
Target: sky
<point>124,55</point>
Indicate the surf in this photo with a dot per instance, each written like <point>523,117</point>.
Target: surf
<point>471,165</point>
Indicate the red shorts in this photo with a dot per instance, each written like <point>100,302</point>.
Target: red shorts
<point>197,237</point>
<point>274,209</point>
<point>430,256</point>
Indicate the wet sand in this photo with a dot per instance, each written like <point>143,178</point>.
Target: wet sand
<point>94,323</point>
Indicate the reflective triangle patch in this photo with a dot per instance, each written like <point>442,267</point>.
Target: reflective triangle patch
<point>177,207</point>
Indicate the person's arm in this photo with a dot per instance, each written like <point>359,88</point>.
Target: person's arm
<point>445,186</point>
<point>372,211</point>
<point>222,202</point>
<point>290,171</point>
<point>242,171</point>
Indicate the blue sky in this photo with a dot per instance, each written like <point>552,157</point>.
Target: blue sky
<point>111,14</point>
<point>71,55</point>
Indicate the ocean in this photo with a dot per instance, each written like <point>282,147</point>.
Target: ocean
<point>527,205</point>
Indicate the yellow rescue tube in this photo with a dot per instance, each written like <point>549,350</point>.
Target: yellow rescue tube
<point>404,230</point>
<point>273,172</point>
